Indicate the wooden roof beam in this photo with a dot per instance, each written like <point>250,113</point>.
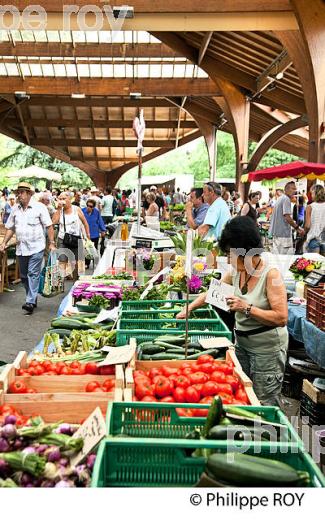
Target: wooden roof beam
<point>97,101</point>
<point>274,72</point>
<point>84,50</point>
<point>99,123</point>
<point>204,45</point>
<point>103,143</point>
<point>216,68</point>
<point>110,86</point>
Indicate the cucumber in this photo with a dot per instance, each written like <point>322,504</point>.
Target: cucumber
<point>165,356</point>
<point>236,432</point>
<point>214,415</point>
<point>152,349</point>
<point>145,343</point>
<point>178,340</point>
<point>168,345</point>
<point>61,332</point>
<point>67,323</point>
<point>240,469</point>
<point>237,410</point>
<point>210,351</point>
<point>180,351</point>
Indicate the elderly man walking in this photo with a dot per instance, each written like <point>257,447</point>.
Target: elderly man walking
<point>282,222</point>
<point>29,220</point>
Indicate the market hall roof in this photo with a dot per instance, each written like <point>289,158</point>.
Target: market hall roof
<point>95,132</point>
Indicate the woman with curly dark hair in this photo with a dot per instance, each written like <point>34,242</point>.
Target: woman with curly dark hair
<point>260,307</point>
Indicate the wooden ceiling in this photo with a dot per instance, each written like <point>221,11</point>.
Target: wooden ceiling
<point>95,132</point>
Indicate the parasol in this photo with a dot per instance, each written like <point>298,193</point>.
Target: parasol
<point>35,172</point>
<point>298,169</point>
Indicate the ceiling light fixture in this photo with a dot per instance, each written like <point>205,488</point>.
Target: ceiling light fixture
<point>135,95</point>
<point>123,11</point>
<point>279,75</point>
<point>78,96</point>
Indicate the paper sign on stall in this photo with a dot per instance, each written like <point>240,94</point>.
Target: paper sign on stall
<point>117,355</point>
<point>153,280</point>
<point>93,430</point>
<point>188,253</point>
<point>104,315</point>
<point>215,343</point>
<point>217,294</point>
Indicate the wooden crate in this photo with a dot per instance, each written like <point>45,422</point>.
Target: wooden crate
<point>147,365</point>
<point>316,395</point>
<point>316,306</point>
<point>54,384</point>
<point>73,407</point>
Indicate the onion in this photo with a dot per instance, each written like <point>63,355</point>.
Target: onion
<point>41,448</point>
<point>64,484</point>
<point>54,455</point>
<point>10,419</point>
<point>91,461</point>
<point>29,450</point>
<point>9,431</point>
<point>4,467</point>
<point>47,483</point>
<point>64,428</point>
<point>50,471</point>
<point>25,479</point>
<point>64,461</point>
<point>18,444</point>
<point>4,445</point>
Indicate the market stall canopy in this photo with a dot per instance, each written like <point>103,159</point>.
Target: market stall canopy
<point>35,172</point>
<point>298,169</point>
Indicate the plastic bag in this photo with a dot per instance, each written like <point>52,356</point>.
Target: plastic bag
<point>51,279</point>
<point>90,250</point>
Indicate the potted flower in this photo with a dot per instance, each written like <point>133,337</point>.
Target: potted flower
<point>302,267</point>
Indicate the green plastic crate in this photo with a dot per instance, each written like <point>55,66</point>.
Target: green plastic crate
<point>160,420</point>
<point>155,314</point>
<point>165,463</point>
<point>123,336</point>
<point>131,305</point>
<point>214,325</point>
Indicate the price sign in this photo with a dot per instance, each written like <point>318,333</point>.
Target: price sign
<point>217,294</point>
<point>93,430</point>
<point>107,315</point>
<point>188,254</point>
<point>117,355</point>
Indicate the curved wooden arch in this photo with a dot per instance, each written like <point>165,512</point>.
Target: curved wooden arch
<point>306,49</point>
<point>271,137</point>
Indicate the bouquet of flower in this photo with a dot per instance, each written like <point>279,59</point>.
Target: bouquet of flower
<point>302,267</point>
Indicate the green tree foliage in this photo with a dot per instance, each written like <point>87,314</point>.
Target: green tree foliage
<point>23,156</point>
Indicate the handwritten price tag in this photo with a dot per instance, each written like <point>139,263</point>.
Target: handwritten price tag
<point>217,294</point>
<point>117,355</point>
<point>93,430</point>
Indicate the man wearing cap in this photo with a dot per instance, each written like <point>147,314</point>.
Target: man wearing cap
<point>218,213</point>
<point>29,220</point>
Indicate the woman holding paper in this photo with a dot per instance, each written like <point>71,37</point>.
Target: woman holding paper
<point>260,306</point>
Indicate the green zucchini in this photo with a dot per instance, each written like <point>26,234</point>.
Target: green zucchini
<point>214,416</point>
<point>61,332</point>
<point>180,351</point>
<point>236,410</point>
<point>240,469</point>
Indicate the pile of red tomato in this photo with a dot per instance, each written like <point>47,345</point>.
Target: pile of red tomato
<point>94,386</point>
<point>192,382</point>
<point>47,368</point>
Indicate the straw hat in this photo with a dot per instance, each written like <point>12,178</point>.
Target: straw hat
<point>24,186</point>
<point>93,189</point>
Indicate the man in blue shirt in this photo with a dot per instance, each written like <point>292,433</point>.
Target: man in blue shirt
<point>196,208</point>
<point>218,213</point>
<point>96,224</point>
